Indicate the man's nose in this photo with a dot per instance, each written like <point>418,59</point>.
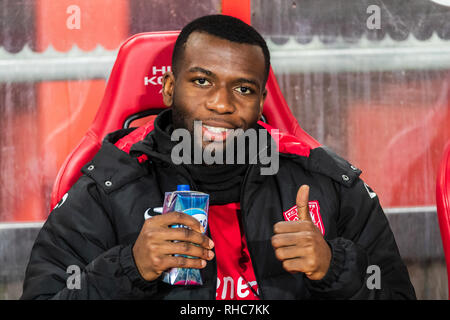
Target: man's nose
<point>221,102</point>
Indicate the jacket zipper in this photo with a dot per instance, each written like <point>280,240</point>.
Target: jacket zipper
<point>245,234</point>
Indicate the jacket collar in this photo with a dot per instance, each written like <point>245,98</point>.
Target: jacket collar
<point>111,167</point>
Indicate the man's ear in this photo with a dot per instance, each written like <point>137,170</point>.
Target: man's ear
<point>168,88</point>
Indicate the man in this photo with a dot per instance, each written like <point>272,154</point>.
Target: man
<point>310,230</point>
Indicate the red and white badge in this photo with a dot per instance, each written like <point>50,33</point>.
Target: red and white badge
<point>314,212</point>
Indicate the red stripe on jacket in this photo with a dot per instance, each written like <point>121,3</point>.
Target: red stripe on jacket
<point>235,275</point>
<point>286,142</point>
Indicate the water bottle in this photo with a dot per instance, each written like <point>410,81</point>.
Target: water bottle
<point>195,204</point>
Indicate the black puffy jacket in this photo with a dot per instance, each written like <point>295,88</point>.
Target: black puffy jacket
<point>95,226</point>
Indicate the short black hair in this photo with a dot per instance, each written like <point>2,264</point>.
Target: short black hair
<point>225,27</point>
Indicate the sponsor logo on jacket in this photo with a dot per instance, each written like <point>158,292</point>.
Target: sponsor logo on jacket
<point>228,288</point>
<point>314,212</point>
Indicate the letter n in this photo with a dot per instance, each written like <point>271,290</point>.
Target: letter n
<point>227,280</point>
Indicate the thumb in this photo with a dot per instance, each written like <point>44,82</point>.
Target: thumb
<point>302,203</point>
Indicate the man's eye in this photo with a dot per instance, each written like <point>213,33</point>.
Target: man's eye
<point>244,90</point>
<point>201,82</point>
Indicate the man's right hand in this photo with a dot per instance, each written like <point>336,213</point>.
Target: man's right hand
<point>155,248</point>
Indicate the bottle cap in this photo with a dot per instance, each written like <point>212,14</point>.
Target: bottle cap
<point>183,187</point>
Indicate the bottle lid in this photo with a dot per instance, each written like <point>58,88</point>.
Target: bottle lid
<point>183,187</point>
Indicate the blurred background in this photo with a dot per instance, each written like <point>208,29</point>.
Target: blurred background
<point>368,78</point>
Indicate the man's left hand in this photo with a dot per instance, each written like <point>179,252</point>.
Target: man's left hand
<point>300,244</point>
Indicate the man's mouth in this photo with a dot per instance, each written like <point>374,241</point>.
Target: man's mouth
<point>216,134</point>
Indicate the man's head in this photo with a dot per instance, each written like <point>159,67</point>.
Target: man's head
<point>220,67</point>
<point>224,27</point>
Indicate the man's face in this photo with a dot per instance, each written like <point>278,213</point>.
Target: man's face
<point>220,83</point>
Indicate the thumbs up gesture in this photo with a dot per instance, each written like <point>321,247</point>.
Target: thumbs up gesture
<point>300,244</point>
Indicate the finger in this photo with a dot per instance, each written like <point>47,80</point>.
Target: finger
<point>188,235</point>
<point>285,253</point>
<point>294,265</point>
<point>174,218</point>
<point>183,262</point>
<point>186,248</point>
<point>293,252</point>
<point>292,226</point>
<point>302,203</point>
<point>290,239</point>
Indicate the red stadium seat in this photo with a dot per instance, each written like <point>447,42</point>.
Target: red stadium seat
<point>134,90</point>
<point>443,205</point>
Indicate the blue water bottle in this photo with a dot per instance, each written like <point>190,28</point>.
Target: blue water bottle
<point>195,204</point>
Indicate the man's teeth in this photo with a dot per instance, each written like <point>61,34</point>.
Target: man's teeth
<point>215,129</point>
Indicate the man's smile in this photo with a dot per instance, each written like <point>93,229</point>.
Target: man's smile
<point>216,131</point>
<point>216,134</point>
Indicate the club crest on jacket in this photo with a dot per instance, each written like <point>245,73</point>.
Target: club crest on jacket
<point>314,212</point>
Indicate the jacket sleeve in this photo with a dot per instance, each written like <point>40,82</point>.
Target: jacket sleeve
<point>366,263</point>
<point>76,255</point>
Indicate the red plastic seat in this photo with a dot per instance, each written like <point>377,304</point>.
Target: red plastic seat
<point>443,205</point>
<point>134,87</point>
